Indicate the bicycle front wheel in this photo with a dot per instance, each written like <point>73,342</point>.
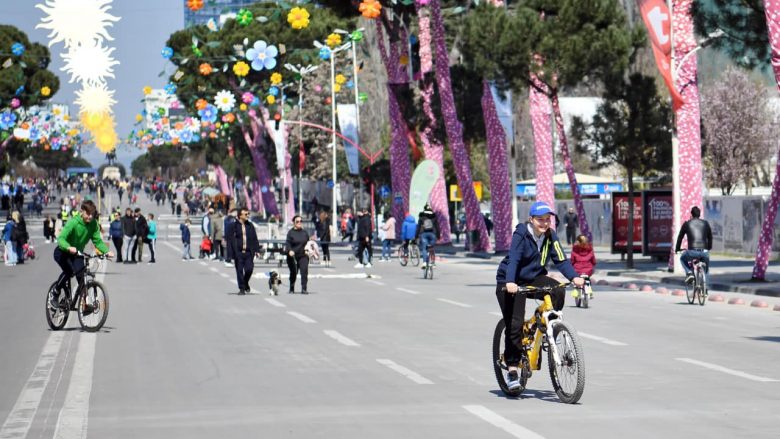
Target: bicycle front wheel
<point>57,317</point>
<point>92,306</point>
<point>499,366</point>
<point>414,255</point>
<point>568,376</point>
<point>403,258</point>
<point>702,286</point>
<point>690,293</point>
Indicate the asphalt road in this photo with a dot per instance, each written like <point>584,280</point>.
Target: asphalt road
<point>389,356</point>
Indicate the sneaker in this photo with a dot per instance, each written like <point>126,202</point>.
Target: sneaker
<point>241,292</point>
<point>304,291</point>
<point>229,264</point>
<point>368,265</point>
<point>512,380</point>
<point>358,265</point>
<point>424,265</point>
<point>689,279</point>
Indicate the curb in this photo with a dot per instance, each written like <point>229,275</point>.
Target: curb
<point>716,298</point>
<point>736,301</point>
<point>759,304</point>
<point>676,280</point>
<point>678,293</point>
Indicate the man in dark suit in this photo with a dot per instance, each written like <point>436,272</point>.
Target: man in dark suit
<point>242,240</point>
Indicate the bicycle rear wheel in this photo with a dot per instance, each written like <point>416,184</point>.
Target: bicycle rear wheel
<point>499,366</point>
<point>92,306</point>
<point>585,298</point>
<point>403,258</point>
<point>568,377</point>
<point>414,255</point>
<point>57,317</point>
<point>702,286</point>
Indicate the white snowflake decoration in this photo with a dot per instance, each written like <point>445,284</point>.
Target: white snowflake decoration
<point>90,63</point>
<point>95,99</point>
<point>76,21</point>
<point>225,101</point>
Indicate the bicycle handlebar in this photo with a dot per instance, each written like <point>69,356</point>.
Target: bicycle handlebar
<point>533,289</point>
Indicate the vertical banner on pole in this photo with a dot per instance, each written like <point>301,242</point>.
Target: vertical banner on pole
<point>280,141</point>
<point>425,176</point>
<point>347,114</point>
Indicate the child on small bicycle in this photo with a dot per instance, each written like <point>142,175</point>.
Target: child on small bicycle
<point>533,245</point>
<point>78,231</point>
<point>408,231</point>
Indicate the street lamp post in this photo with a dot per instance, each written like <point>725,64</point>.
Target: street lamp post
<point>281,165</point>
<point>332,56</point>
<point>300,73</point>
<point>354,37</point>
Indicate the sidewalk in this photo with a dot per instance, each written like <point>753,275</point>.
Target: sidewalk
<point>730,274</point>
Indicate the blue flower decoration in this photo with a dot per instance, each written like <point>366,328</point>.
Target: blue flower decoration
<point>255,102</point>
<point>185,136</point>
<point>35,134</point>
<point>55,143</point>
<point>324,53</point>
<point>170,88</point>
<point>273,91</point>
<point>167,52</point>
<point>350,84</point>
<point>17,49</point>
<point>19,90</point>
<point>196,137</point>
<point>167,137</point>
<point>262,55</point>
<point>7,120</point>
<point>208,114</point>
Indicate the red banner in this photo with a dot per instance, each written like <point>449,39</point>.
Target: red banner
<point>658,21</point>
<point>620,222</point>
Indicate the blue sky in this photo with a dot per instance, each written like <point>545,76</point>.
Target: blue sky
<point>139,35</point>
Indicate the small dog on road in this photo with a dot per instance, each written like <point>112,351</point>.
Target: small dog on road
<point>274,280</point>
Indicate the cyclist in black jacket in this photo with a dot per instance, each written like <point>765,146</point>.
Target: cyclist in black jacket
<point>699,236</point>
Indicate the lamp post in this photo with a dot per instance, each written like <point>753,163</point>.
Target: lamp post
<point>300,72</point>
<point>281,163</point>
<point>331,54</point>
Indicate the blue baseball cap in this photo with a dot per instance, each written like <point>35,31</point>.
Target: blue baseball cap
<point>541,208</point>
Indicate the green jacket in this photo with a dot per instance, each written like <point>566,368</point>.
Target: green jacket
<point>77,233</point>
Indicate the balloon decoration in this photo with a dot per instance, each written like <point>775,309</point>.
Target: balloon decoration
<point>298,18</point>
<point>333,40</point>
<point>74,22</point>
<point>90,63</point>
<point>262,56</point>
<point>370,8</point>
<point>244,17</point>
<point>195,5</point>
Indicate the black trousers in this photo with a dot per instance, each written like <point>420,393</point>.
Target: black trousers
<point>218,249</point>
<point>245,264</point>
<point>118,245</point>
<point>363,245</point>
<point>571,235</point>
<point>70,265</point>
<point>325,251</point>
<point>513,310</point>
<point>298,264</point>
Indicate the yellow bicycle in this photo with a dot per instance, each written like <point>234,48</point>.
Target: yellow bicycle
<point>544,331</point>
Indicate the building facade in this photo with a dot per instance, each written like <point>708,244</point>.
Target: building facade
<point>213,9</point>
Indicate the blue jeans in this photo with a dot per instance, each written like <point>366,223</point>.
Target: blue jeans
<point>426,239</point>
<point>689,255</point>
<point>186,253</point>
<point>386,248</point>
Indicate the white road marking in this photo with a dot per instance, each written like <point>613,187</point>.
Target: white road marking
<point>501,422</point>
<point>376,282</point>
<point>74,416</point>
<point>452,302</point>
<point>329,269</point>
<point>171,246</point>
<point>601,339</point>
<point>19,420</point>
<point>414,376</point>
<point>406,290</point>
<point>727,370</point>
<point>340,338</point>
<point>301,317</point>
<point>275,303</point>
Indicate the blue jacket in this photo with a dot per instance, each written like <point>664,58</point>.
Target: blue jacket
<point>9,227</point>
<point>409,228</point>
<point>525,262</point>
<point>115,229</point>
<point>185,233</point>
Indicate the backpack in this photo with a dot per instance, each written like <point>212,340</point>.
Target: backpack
<point>427,225</point>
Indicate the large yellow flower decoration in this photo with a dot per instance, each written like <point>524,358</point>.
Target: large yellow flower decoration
<point>298,18</point>
<point>336,88</point>
<point>147,90</point>
<point>341,79</point>
<point>241,69</point>
<point>276,78</point>
<point>45,91</point>
<point>271,99</point>
<point>333,40</point>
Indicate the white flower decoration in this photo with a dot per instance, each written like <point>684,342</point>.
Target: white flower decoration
<point>225,101</point>
<point>77,21</point>
<point>95,99</point>
<point>90,63</point>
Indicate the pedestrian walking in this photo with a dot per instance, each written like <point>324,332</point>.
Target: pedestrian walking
<point>230,221</point>
<point>9,232</point>
<point>185,239</point>
<point>243,240</point>
<point>297,261</point>
<point>217,233</point>
<point>324,233</point>
<point>572,223</point>
<point>389,228</point>
<point>128,229</point>
<point>49,225</point>
<point>141,230</point>
<point>364,234</point>
<point>115,233</point>
<point>151,236</point>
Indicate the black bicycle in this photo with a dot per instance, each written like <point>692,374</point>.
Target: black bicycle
<point>428,270</point>
<point>90,301</point>
<point>699,287</point>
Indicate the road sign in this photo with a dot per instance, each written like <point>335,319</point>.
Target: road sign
<point>455,194</point>
<point>384,191</point>
<point>330,184</point>
<point>264,189</point>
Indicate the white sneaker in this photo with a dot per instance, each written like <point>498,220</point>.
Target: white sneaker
<point>424,266</point>
<point>368,265</point>
<point>229,264</point>
<point>358,265</point>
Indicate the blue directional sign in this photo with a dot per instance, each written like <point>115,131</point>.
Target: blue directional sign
<point>330,184</point>
<point>384,191</point>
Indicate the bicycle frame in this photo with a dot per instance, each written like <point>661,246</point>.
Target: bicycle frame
<point>540,320</point>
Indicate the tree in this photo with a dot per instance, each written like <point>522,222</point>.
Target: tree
<point>739,129</point>
<point>633,129</point>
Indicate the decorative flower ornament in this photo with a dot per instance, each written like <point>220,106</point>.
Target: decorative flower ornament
<point>242,107</point>
<point>45,91</point>
<point>244,17</point>
<point>324,53</point>
<point>241,69</point>
<point>336,88</point>
<point>262,56</point>
<point>91,63</point>
<point>229,118</point>
<point>276,78</point>
<point>333,40</point>
<point>273,91</point>
<point>138,118</point>
<point>167,52</point>
<point>356,36</point>
<point>340,79</point>
<point>201,104</point>
<point>147,90</point>
<point>370,8</point>
<point>194,5</point>
<point>19,90</point>
<point>205,69</point>
<point>270,99</point>
<point>77,21</point>
<point>423,2</point>
<point>170,88</point>
<point>17,49</point>
<point>15,103</point>
<point>7,120</point>
<point>298,18</point>
<point>247,97</point>
<point>212,25</point>
<point>224,100</point>
<point>208,114</point>
<point>363,97</point>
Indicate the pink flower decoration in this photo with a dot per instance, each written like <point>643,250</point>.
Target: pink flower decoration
<point>247,97</point>
<point>317,88</point>
<point>252,112</point>
<point>422,2</point>
<point>176,105</point>
<point>15,103</point>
